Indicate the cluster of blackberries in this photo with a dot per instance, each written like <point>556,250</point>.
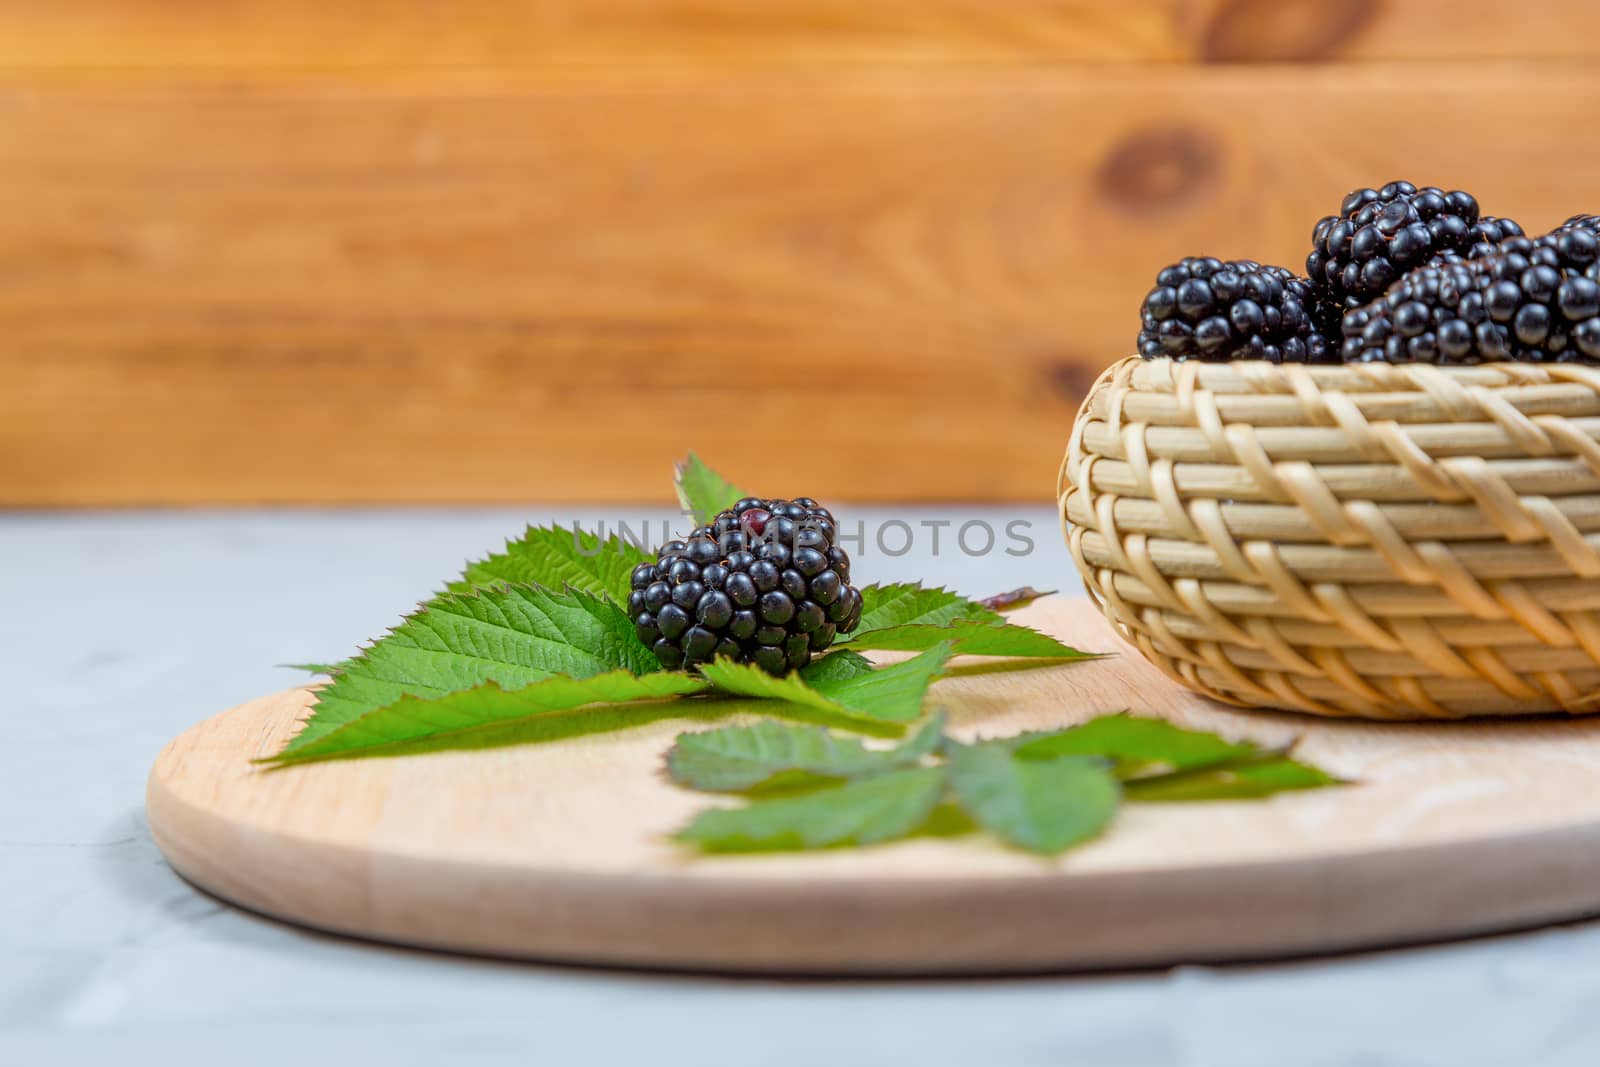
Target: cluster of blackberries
<point>1529,300</point>
<point>764,582</point>
<point>1209,309</point>
<point>1400,274</point>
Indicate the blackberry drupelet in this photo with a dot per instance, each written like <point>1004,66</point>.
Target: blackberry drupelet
<point>1380,234</point>
<point>1203,308</point>
<point>763,582</point>
<point>1532,299</point>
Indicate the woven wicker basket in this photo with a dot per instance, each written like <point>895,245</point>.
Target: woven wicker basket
<point>1386,542</point>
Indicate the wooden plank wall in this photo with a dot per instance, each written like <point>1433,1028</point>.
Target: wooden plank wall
<point>260,251</point>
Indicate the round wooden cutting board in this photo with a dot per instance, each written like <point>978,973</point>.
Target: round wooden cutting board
<point>556,849</point>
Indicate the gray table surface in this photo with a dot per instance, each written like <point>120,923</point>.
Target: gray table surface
<point>120,630</point>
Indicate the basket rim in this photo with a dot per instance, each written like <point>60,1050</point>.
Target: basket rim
<point>1256,413</point>
<point>1245,376</point>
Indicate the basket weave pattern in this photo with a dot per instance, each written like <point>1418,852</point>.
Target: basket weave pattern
<point>1369,540</point>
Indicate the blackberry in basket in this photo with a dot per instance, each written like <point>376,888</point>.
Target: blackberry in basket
<point>1532,300</point>
<point>1485,239</point>
<point>763,582</point>
<point>1580,222</point>
<point>1380,234</point>
<point>1203,308</point>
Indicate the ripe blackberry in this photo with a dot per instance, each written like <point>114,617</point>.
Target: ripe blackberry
<point>1532,299</point>
<point>764,582</point>
<point>1484,239</point>
<point>1203,308</point>
<point>1380,234</point>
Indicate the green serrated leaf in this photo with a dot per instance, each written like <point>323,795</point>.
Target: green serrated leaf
<point>512,635</point>
<point>908,604</point>
<point>860,812</point>
<point>557,558</point>
<point>1140,746</point>
<point>970,637</point>
<point>735,758</point>
<point>907,618</point>
<point>926,741</point>
<point>702,491</point>
<point>888,694</point>
<point>317,668</point>
<point>1258,776</point>
<point>1044,806</point>
<point>836,667</point>
<point>414,718</point>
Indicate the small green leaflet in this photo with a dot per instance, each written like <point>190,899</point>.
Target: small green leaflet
<point>908,603</point>
<point>858,812</point>
<point>556,558</point>
<point>702,491</point>
<point>1140,746</point>
<point>836,667</point>
<point>1244,779</point>
<point>1159,761</point>
<point>888,694</point>
<point>418,718</point>
<point>735,758</point>
<point>512,635</point>
<point>907,618</point>
<point>968,637</point>
<point>1044,806</point>
<point>544,555</point>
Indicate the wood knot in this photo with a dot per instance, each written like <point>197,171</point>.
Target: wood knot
<point>1160,169</point>
<point>1283,30</point>
<point>1070,378</point>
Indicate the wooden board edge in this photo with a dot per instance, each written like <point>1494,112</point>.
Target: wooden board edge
<point>1056,922</point>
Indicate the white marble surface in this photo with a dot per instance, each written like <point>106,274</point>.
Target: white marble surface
<point>120,630</point>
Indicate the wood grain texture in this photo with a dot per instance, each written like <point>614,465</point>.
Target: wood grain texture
<point>294,35</point>
<point>493,288</point>
<point>557,850</point>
